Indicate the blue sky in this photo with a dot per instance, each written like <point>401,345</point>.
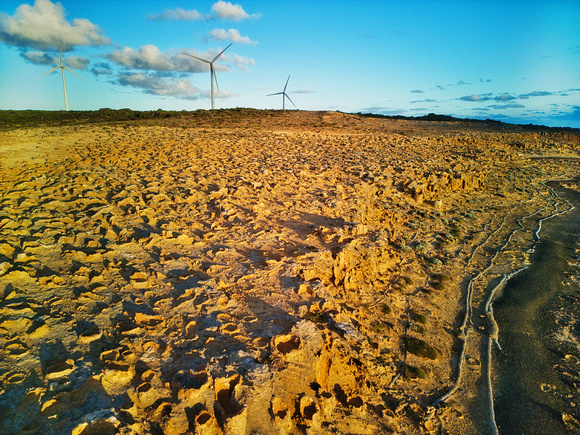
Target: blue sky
<point>513,61</point>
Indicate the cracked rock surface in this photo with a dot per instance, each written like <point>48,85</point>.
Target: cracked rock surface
<point>241,273</point>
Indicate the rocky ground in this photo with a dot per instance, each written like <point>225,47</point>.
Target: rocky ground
<point>280,272</point>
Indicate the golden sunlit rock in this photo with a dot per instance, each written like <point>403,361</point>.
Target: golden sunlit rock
<point>245,272</point>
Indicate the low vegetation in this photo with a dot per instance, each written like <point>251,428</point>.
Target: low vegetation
<point>418,347</point>
<point>411,372</point>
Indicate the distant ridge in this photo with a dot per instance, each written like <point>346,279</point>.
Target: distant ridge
<point>10,119</point>
<point>447,118</point>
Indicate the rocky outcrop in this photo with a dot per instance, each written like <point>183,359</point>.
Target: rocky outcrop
<point>356,267</point>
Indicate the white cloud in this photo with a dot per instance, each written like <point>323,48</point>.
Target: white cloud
<point>102,68</point>
<point>155,84</point>
<point>77,62</point>
<point>148,57</point>
<point>40,58</point>
<point>162,73</point>
<point>535,94</point>
<point>241,62</point>
<point>221,10</point>
<point>179,14</point>
<point>43,58</point>
<point>507,106</point>
<point>473,97</point>
<point>43,25</point>
<point>448,85</point>
<point>504,97</point>
<point>220,94</point>
<point>228,11</point>
<point>230,35</point>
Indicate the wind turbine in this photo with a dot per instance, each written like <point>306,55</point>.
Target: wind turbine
<point>62,68</point>
<point>212,75</point>
<point>284,95</point>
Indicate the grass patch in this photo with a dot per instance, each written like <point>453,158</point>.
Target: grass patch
<point>317,317</point>
<point>378,327</point>
<point>420,348</point>
<point>440,277</point>
<point>410,372</point>
<point>439,281</point>
<point>438,285</point>
<point>455,229</point>
<point>417,328</point>
<point>386,309</point>
<point>419,318</point>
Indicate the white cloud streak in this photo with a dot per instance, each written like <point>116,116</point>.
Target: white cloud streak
<point>426,100</point>
<point>40,58</point>
<point>155,84</point>
<point>241,62</point>
<point>504,97</point>
<point>161,73</point>
<point>507,106</point>
<point>102,68</point>
<point>228,11</point>
<point>535,94</point>
<point>230,35</point>
<point>221,10</point>
<point>149,57</point>
<point>179,14</point>
<point>507,97</point>
<point>474,97</point>
<point>43,25</point>
<point>77,62</point>
<point>43,58</point>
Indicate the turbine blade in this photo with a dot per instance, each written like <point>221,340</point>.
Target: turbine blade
<point>286,83</point>
<point>74,73</point>
<point>277,93</point>
<point>195,57</point>
<point>214,77</point>
<point>60,49</point>
<point>54,69</point>
<point>289,99</point>
<point>215,58</point>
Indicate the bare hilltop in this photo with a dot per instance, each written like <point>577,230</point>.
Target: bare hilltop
<point>259,272</point>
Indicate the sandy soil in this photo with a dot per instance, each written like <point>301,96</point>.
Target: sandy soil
<point>303,273</point>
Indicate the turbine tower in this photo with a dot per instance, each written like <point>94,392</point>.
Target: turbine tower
<point>284,95</point>
<point>62,68</point>
<point>212,75</point>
